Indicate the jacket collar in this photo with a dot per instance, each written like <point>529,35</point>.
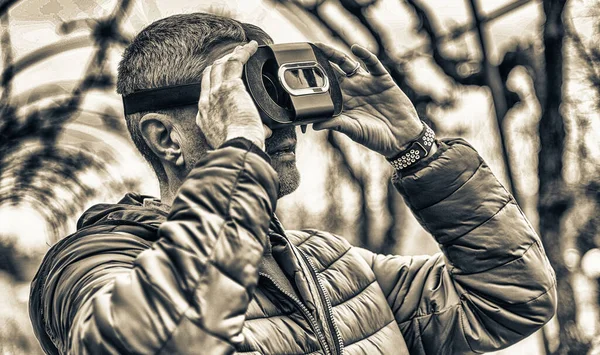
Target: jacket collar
<point>150,210</point>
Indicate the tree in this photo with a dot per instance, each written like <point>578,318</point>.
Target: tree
<point>544,64</point>
<point>32,159</point>
<point>347,19</point>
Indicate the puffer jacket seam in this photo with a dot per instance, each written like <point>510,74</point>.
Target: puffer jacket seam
<point>371,265</point>
<point>158,290</point>
<point>221,233</point>
<point>451,193</point>
<point>536,298</point>
<point>510,201</point>
<point>370,335</point>
<point>356,294</point>
<point>225,273</point>
<point>325,268</point>
<point>499,265</point>
<point>310,235</point>
<point>467,296</point>
<point>335,260</point>
<point>182,316</point>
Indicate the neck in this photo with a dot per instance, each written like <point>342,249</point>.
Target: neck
<point>169,188</point>
<point>166,195</point>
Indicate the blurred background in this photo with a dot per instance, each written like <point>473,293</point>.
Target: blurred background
<point>519,79</point>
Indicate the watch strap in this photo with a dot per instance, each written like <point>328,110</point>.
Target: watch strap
<point>416,150</point>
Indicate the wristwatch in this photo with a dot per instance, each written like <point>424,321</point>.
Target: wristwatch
<point>417,150</point>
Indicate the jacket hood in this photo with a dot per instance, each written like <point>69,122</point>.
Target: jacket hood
<point>131,209</point>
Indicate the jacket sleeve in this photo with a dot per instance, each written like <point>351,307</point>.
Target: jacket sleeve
<point>492,285</point>
<point>190,290</point>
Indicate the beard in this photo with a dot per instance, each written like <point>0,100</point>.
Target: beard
<point>281,148</point>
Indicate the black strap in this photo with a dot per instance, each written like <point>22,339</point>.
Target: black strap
<point>161,98</point>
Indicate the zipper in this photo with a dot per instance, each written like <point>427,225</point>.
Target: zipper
<point>329,308</point>
<point>311,319</point>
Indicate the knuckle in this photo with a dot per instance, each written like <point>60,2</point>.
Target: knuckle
<point>202,104</point>
<point>223,59</point>
<point>233,83</point>
<point>227,86</point>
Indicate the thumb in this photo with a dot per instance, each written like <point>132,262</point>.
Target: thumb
<point>268,131</point>
<point>343,124</point>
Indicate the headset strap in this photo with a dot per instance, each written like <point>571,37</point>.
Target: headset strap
<point>161,98</point>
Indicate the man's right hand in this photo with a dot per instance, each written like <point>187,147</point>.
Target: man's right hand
<point>225,108</point>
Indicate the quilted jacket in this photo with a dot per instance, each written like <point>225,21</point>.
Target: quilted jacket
<point>136,279</point>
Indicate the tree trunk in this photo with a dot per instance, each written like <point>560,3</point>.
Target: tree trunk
<point>554,198</point>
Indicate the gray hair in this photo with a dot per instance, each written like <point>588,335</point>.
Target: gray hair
<point>173,51</point>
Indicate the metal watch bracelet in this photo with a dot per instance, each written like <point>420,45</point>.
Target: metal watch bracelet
<point>417,150</point>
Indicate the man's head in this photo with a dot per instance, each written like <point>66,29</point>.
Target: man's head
<point>174,51</point>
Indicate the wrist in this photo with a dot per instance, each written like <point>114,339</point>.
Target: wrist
<point>416,150</point>
<point>410,133</point>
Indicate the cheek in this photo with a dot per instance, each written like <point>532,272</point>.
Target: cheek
<point>195,139</point>
<point>195,146</point>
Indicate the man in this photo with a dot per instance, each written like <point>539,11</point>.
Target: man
<point>210,270</point>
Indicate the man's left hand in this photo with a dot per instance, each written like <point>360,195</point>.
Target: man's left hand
<point>377,114</point>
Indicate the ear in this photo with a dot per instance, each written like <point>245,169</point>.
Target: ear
<point>161,137</point>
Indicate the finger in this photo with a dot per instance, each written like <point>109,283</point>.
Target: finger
<point>340,74</point>
<point>342,124</point>
<point>216,73</point>
<point>221,67</point>
<point>337,57</point>
<point>247,50</point>
<point>205,86</point>
<point>268,131</point>
<point>234,64</point>
<point>373,64</point>
<point>335,124</point>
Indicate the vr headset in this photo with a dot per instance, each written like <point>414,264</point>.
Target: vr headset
<point>290,83</point>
